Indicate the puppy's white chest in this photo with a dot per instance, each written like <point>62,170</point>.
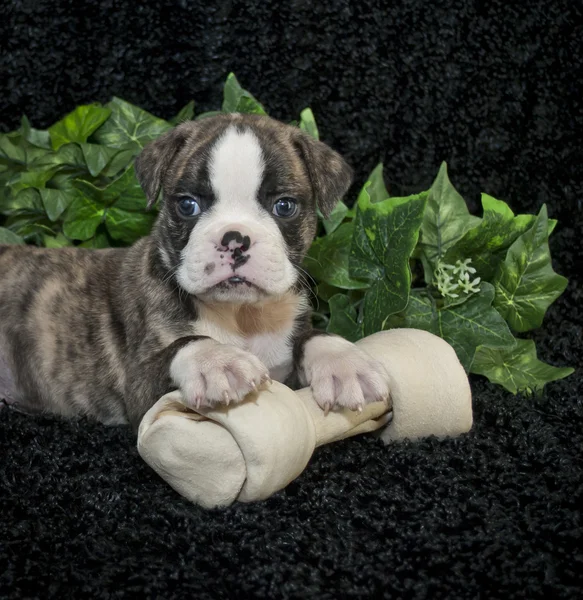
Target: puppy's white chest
<point>213,329</point>
<point>275,351</point>
<point>249,332</point>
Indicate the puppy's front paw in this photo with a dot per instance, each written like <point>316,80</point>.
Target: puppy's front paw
<point>209,373</point>
<point>340,374</point>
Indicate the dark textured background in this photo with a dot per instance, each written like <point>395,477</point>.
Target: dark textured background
<point>494,89</point>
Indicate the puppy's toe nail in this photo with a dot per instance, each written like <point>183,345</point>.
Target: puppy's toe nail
<point>226,398</point>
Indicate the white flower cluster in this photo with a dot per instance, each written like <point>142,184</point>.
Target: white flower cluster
<point>451,279</point>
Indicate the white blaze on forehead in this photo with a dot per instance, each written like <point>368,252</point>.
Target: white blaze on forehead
<point>236,168</point>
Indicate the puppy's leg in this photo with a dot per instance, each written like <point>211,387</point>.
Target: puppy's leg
<point>338,372</point>
<point>206,371</point>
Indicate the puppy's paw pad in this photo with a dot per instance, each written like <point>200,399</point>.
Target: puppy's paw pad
<point>210,373</point>
<point>345,377</point>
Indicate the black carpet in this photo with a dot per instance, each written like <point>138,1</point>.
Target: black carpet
<point>493,88</point>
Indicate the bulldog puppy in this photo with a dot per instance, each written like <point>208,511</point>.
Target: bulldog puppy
<point>213,302</point>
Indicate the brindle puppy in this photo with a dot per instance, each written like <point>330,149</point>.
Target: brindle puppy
<point>212,302</point>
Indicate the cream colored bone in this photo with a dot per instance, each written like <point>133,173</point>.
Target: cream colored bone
<point>249,451</point>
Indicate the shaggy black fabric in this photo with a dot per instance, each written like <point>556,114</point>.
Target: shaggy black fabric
<point>493,88</point>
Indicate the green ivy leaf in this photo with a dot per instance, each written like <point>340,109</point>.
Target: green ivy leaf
<point>27,201</point>
<point>206,115</point>
<point>325,291</point>
<point>445,221</point>
<point>236,99</point>
<point>525,282</point>
<point>17,154</point>
<point>10,153</point>
<point>128,226</point>
<point>327,259</point>
<point>36,137</point>
<point>336,217</point>
<point>119,162</point>
<point>385,234</point>
<point>308,123</point>
<point>344,319</point>
<point>29,179</point>
<point>63,180</point>
<point>78,125</point>
<point>375,185</point>
<point>68,155</point>
<point>55,202</point>
<point>517,369</point>
<point>56,241</point>
<point>31,227</point>
<point>83,216</point>
<point>97,157</point>
<point>7,237</point>
<point>465,326</point>
<point>99,240</point>
<point>125,192</point>
<point>186,113</point>
<point>129,127</point>
<point>120,205</point>
<point>486,243</point>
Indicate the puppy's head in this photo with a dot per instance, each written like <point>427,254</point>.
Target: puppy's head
<point>238,210</point>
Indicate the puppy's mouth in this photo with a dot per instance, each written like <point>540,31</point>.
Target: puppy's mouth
<point>235,281</point>
<point>238,285</point>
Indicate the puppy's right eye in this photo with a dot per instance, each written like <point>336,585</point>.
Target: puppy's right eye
<point>188,207</point>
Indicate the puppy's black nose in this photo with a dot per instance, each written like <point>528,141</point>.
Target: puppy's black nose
<point>242,242</point>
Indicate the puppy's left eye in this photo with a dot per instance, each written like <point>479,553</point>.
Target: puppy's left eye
<point>188,207</point>
<point>285,208</point>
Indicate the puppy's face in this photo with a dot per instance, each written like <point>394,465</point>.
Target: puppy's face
<point>239,203</point>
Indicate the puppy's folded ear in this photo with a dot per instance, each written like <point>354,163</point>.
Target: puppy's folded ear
<point>155,160</point>
<point>330,175</point>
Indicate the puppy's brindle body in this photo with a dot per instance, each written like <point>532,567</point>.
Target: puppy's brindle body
<point>212,302</point>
